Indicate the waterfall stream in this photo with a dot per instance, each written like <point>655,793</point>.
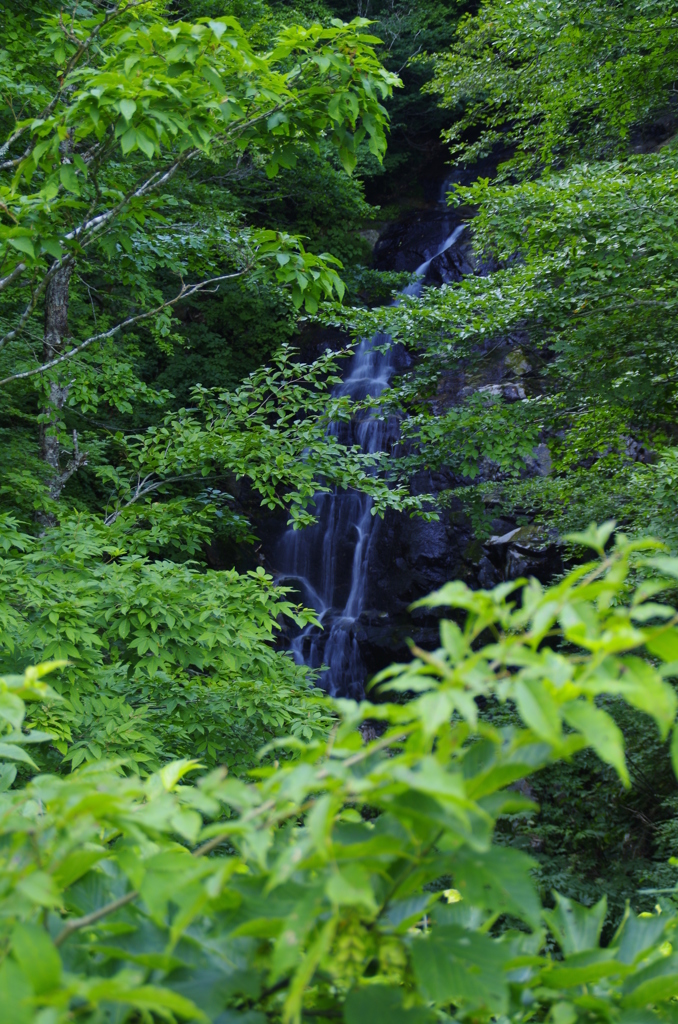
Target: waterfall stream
<point>327,563</point>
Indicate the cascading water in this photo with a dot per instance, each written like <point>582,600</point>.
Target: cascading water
<point>328,562</point>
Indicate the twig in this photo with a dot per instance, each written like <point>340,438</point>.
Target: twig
<point>142,491</point>
<point>83,922</point>
<point>186,291</point>
<point>109,908</point>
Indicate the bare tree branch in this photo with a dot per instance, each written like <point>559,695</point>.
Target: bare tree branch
<point>35,295</point>
<point>186,291</point>
<point>84,922</point>
<point>142,490</point>
<point>5,282</point>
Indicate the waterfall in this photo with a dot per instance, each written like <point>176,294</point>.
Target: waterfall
<point>327,563</point>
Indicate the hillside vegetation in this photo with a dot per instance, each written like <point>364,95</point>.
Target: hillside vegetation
<point>190,830</point>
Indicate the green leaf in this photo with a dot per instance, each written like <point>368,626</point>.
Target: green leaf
<point>11,709</point>
<point>637,935</point>
<point>145,144</point>
<point>452,964</point>
<point>128,141</point>
<point>23,244</point>
<point>152,997</point>
<point>38,958</point>
<point>15,753</point>
<point>601,732</point>
<point>453,640</point>
<point>595,537</point>
<point>52,246</point>
<point>381,1003</point>
<point>576,928</point>
<point>75,865</point>
<point>538,710</point>
<point>664,563</point>
<point>40,888</point>
<point>584,968</point>
<point>16,996</point>
<point>351,886</point>
<point>498,880</point>
<point>127,108</point>
<point>645,690</point>
<point>664,645</point>
<point>348,159</point>
<point>69,179</point>
<point>210,75</point>
<point>654,984</point>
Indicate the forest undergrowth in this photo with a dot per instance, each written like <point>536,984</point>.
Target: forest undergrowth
<point>190,830</point>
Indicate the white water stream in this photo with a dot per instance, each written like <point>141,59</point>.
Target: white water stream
<point>328,562</point>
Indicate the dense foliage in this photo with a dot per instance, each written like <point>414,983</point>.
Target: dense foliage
<point>140,284</point>
<point>183,189</point>
<point>575,249</point>
<point>358,881</point>
<point>571,304</point>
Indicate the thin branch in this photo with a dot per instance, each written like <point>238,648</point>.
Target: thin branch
<point>186,292</point>
<point>46,111</point>
<point>79,459</point>
<point>157,179</point>
<point>109,908</point>
<point>35,295</point>
<point>141,492</point>
<point>212,844</point>
<point>5,282</point>
<point>83,922</point>
<point>5,146</point>
<point>591,310</point>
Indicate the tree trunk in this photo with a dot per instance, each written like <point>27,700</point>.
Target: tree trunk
<point>56,330</point>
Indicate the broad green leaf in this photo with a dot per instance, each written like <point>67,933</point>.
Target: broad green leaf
<point>69,178</point>
<point>637,935</point>
<point>665,564</point>
<point>16,995</point>
<point>538,710</point>
<point>23,244</point>
<point>11,709</point>
<point>595,537</point>
<point>145,144</point>
<point>15,753</point>
<point>52,247</point>
<point>585,969</point>
<point>664,645</point>
<point>649,693</point>
<point>40,888</point>
<point>575,927</point>
<point>653,984</point>
<point>38,958</point>
<point>75,865</point>
<point>155,998</point>
<point>127,108</point>
<point>454,965</point>
<point>379,1002</point>
<point>601,732</point>
<point>128,141</point>
<point>453,640</point>
<point>351,886</point>
<point>499,881</point>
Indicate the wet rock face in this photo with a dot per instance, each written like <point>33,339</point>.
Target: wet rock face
<point>449,266</point>
<point>408,559</point>
<point>519,551</point>
<point>407,244</point>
